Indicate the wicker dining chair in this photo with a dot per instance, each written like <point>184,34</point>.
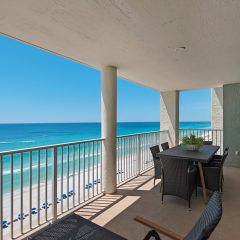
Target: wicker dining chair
<point>178,177</point>
<point>217,160</point>
<point>202,229</point>
<point>157,163</point>
<point>213,175</point>
<point>207,142</point>
<point>217,157</point>
<point>165,146</point>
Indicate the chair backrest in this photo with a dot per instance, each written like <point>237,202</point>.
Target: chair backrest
<point>207,142</point>
<point>226,149</point>
<point>165,146</point>
<point>224,156</point>
<point>157,163</point>
<point>208,220</point>
<point>175,181</point>
<point>154,150</point>
<point>174,168</point>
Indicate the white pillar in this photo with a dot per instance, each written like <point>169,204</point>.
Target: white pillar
<point>109,119</point>
<point>169,115</point>
<point>217,108</point>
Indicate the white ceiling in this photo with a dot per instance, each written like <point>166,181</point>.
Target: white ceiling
<point>140,37</point>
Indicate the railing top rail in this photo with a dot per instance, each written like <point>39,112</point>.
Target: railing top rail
<point>136,134</point>
<point>49,146</point>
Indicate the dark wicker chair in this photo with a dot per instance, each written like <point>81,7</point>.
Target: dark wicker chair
<point>165,146</point>
<point>218,158</point>
<point>203,228</point>
<point>213,175</point>
<point>179,177</point>
<point>207,142</point>
<point>157,163</point>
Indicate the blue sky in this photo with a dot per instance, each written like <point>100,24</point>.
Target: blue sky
<point>37,86</point>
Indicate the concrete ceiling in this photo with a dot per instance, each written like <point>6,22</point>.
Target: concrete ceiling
<point>140,37</point>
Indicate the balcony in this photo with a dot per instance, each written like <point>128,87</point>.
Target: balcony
<point>39,185</point>
<point>169,47</point>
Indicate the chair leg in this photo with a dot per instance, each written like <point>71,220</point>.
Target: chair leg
<point>189,204</point>
<point>162,197</point>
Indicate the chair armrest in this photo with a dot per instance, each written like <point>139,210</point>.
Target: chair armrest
<point>158,228</point>
<point>219,157</point>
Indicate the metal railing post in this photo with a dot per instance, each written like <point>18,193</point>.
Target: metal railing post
<point>54,183</point>
<point>156,139</point>
<point>138,154</point>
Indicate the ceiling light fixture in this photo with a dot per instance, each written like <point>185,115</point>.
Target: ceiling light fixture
<point>182,48</point>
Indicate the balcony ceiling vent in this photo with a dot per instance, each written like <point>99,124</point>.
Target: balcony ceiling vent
<point>180,49</point>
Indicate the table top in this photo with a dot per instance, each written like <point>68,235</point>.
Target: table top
<point>204,154</point>
<point>75,227</point>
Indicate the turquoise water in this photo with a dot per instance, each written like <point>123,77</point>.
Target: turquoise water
<point>19,136</point>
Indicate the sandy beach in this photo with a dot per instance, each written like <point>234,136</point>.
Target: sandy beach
<point>85,186</point>
<point>78,184</point>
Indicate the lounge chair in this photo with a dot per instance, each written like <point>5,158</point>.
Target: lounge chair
<point>203,228</point>
<point>75,227</point>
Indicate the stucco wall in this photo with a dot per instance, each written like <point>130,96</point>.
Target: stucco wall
<point>231,122</point>
<point>217,108</point>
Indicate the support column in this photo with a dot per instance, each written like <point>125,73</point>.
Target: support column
<point>169,115</point>
<point>217,108</point>
<point>109,119</point>
<point>217,116</point>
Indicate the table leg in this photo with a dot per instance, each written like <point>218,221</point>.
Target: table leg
<point>202,182</point>
<point>161,185</point>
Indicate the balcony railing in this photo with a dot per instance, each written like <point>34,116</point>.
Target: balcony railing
<point>214,135</point>
<point>39,184</point>
<point>133,154</point>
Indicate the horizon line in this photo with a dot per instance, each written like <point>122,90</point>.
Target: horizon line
<point>99,122</point>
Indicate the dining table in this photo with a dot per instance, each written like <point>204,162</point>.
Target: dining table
<point>203,155</point>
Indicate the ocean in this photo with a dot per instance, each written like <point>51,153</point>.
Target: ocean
<point>19,136</point>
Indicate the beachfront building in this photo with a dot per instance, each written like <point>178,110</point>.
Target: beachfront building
<point>168,46</point>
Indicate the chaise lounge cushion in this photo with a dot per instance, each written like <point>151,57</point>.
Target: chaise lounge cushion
<point>75,227</point>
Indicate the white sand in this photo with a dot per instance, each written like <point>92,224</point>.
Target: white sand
<point>94,190</point>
